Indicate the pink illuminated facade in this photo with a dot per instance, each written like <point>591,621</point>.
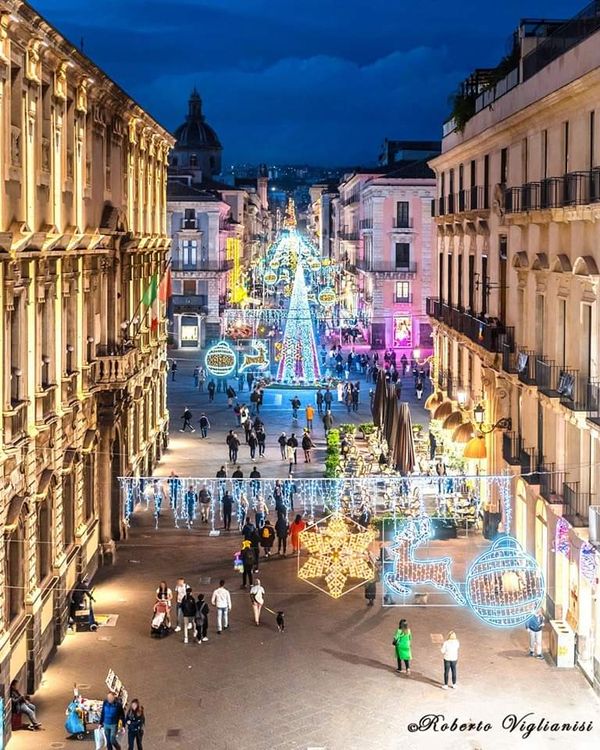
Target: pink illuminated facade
<point>384,233</point>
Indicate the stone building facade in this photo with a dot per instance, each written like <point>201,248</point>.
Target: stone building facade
<point>82,235</point>
<point>518,294</point>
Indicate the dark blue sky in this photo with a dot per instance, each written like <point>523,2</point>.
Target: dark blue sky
<point>318,81</point>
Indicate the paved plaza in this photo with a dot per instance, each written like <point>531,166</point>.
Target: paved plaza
<point>328,682</point>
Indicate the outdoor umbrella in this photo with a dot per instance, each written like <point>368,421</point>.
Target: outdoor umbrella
<point>404,447</point>
<point>378,400</point>
<point>389,419</point>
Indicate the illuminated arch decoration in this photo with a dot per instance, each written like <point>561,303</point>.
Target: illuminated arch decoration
<point>260,358</point>
<point>337,548</point>
<point>562,545</point>
<point>588,562</point>
<point>504,585</point>
<point>220,360</point>
<point>408,570</point>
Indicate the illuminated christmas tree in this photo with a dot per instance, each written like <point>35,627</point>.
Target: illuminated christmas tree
<point>299,359</point>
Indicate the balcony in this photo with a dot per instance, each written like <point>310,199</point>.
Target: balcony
<point>551,482</point>
<point>530,462</point>
<point>579,393</point>
<point>526,366</point>
<point>69,388</point>
<point>512,448</point>
<point>549,377</point>
<point>349,236</point>
<point>507,348</point>
<point>112,370</point>
<point>214,266</point>
<point>433,308</point>
<point>469,199</point>
<point>400,272</point>
<point>402,224</point>
<point>577,504</point>
<point>571,189</point>
<point>403,300</point>
<point>489,333</point>
<point>15,422</point>
<point>45,403</point>
<point>366,224</point>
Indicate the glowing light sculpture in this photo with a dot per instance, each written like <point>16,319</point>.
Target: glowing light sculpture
<point>260,359</point>
<point>299,358</point>
<point>337,546</point>
<point>505,585</point>
<point>220,360</point>
<point>408,570</point>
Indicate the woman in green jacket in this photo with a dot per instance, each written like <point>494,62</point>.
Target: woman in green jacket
<point>402,641</point>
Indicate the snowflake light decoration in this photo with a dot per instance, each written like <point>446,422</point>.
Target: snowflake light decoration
<point>337,546</point>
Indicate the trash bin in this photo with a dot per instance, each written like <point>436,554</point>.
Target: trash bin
<point>562,644</point>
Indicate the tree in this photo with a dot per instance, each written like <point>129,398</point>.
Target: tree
<point>299,358</point>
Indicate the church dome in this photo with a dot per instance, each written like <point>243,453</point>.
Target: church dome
<point>195,133</point>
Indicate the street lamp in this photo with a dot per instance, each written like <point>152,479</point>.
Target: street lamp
<point>505,423</point>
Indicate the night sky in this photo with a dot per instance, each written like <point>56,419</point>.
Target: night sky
<point>298,81</point>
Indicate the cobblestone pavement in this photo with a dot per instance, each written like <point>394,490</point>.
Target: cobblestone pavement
<point>327,682</point>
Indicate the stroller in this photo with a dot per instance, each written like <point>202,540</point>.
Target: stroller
<point>159,627</point>
<point>80,713</point>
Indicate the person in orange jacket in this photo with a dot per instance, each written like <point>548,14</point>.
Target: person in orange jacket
<point>296,527</point>
<point>310,413</point>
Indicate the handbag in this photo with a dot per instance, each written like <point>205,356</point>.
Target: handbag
<point>99,738</point>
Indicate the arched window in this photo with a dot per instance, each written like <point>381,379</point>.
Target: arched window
<point>68,510</point>
<point>193,160</point>
<point>14,560</point>
<point>44,536</point>
<point>89,500</point>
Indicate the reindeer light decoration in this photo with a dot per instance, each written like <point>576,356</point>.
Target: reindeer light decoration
<point>259,360</point>
<point>408,570</point>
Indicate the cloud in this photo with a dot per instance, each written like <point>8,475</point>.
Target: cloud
<point>297,80</point>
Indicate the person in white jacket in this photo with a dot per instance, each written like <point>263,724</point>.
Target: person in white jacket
<point>221,599</point>
<point>450,653</point>
<point>257,597</point>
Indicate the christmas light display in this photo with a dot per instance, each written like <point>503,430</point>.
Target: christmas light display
<point>505,585</point>
<point>260,358</point>
<point>408,570</point>
<point>327,297</point>
<point>562,545</point>
<point>588,562</point>
<point>337,546</point>
<point>299,361</point>
<point>220,360</point>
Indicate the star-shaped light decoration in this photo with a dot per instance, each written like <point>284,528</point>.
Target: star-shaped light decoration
<point>337,546</point>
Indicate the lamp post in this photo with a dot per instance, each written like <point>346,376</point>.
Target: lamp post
<point>504,423</point>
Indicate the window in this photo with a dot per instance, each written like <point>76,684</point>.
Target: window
<point>189,253</point>
<point>524,160</point>
<point>44,537</point>
<point>88,486</point>
<point>189,219</point>
<point>14,571</point>
<point>403,291</point>
<point>68,510</point>
<point>504,166</point>
<point>486,181</point>
<point>402,216</point>
<point>193,160</point>
<point>566,146</point>
<point>402,255</point>
<point>189,287</point>
<point>592,145</point>
<point>402,331</point>
<point>544,154</point>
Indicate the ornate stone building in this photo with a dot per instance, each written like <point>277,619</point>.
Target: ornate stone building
<point>518,293</point>
<point>82,236</point>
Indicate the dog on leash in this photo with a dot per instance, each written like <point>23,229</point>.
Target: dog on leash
<point>280,620</point>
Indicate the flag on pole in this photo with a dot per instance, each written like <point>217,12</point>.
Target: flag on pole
<point>164,296</point>
<point>150,293</point>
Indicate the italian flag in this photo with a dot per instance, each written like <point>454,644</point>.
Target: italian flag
<point>157,292</point>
